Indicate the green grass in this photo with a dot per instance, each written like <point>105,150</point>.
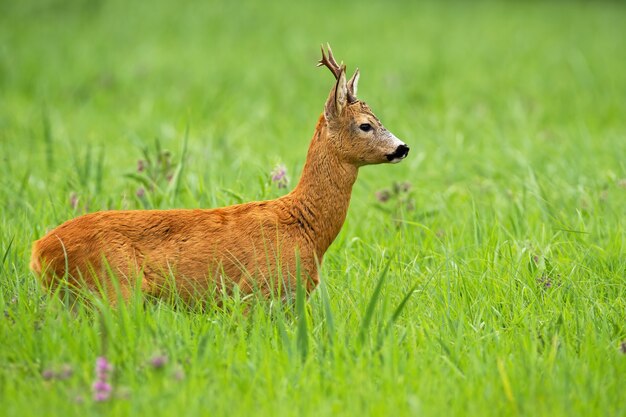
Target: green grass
<point>511,239</point>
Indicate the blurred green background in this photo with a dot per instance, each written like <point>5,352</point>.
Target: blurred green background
<point>535,80</point>
<point>512,230</point>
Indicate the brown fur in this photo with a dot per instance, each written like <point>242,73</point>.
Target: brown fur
<point>255,246</point>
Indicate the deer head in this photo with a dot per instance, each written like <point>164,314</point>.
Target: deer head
<point>353,130</point>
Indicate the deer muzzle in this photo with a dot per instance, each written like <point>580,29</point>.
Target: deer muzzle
<point>399,154</point>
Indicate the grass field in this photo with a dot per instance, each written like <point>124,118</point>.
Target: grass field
<point>506,224</point>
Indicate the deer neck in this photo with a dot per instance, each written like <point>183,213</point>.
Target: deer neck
<point>320,200</point>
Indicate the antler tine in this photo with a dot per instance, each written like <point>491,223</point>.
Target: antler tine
<point>321,61</point>
<point>331,58</point>
<point>329,62</point>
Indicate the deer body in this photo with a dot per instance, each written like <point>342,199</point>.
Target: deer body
<point>255,246</point>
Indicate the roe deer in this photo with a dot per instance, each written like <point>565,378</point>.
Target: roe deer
<point>257,245</point>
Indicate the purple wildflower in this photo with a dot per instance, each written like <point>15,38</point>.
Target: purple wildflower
<point>141,165</point>
<point>622,347</point>
<point>383,195</point>
<point>548,281</point>
<point>141,192</point>
<point>103,366</point>
<point>158,361</point>
<point>401,187</point>
<point>544,281</point>
<point>279,176</point>
<point>101,387</point>
<point>101,396</point>
<point>48,374</point>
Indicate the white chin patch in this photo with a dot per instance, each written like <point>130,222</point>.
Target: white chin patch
<point>396,160</point>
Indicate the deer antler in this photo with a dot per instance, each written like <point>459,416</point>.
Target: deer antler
<point>331,64</point>
<point>329,61</point>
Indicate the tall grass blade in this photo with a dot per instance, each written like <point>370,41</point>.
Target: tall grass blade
<point>181,166</point>
<point>99,171</point>
<point>282,330</point>
<point>303,332</point>
<point>396,314</point>
<point>48,140</point>
<point>369,312</point>
<point>328,313</point>
<point>85,172</point>
<point>6,252</point>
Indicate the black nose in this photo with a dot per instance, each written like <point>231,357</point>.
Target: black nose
<point>401,152</point>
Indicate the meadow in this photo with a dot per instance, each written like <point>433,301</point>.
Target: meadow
<point>484,275</point>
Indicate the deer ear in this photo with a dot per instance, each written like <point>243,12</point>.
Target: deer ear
<point>338,97</point>
<point>353,83</point>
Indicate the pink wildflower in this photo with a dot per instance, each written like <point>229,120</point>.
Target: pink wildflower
<point>279,176</point>
<point>101,387</point>
<point>158,361</point>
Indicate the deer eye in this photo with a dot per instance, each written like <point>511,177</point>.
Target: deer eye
<point>366,127</point>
